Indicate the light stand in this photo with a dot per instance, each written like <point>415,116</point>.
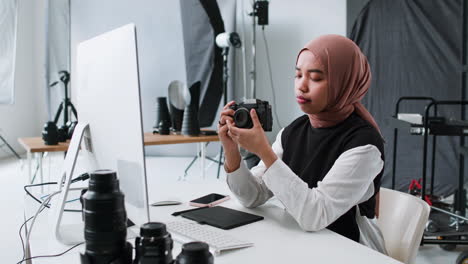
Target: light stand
<point>66,103</point>
<point>224,41</point>
<point>260,10</point>
<point>225,54</point>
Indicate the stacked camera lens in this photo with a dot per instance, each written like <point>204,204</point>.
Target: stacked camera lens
<point>163,117</point>
<point>105,221</point>
<point>195,253</point>
<point>50,133</point>
<point>105,230</point>
<point>154,246</point>
<point>190,124</point>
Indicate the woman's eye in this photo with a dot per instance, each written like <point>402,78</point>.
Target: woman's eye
<point>316,77</point>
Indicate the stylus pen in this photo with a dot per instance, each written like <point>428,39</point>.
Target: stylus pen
<point>189,210</point>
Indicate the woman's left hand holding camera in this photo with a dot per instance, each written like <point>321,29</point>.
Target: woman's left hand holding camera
<point>253,139</point>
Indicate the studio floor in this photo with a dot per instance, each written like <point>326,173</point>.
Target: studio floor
<point>12,178</point>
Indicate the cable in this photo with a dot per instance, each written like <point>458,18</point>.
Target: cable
<point>43,205</point>
<point>82,177</point>
<point>21,237</point>
<point>21,228</point>
<point>271,75</point>
<point>51,256</point>
<point>40,202</point>
<point>34,185</point>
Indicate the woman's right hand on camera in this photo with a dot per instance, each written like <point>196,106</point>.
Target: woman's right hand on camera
<point>231,149</point>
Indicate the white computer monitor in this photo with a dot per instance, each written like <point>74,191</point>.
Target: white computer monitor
<point>109,129</point>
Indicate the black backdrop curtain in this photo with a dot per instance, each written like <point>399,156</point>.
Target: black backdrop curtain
<point>414,49</point>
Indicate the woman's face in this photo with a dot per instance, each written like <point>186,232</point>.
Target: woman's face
<point>310,83</point>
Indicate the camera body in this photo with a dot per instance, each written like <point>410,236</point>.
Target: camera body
<point>242,117</point>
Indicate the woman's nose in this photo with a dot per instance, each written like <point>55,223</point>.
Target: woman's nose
<point>302,85</point>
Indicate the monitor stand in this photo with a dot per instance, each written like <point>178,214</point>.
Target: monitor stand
<point>72,234</point>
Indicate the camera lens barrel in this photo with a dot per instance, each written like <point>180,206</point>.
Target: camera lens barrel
<point>154,246</point>
<point>105,218</point>
<point>242,118</point>
<point>50,133</point>
<point>195,253</point>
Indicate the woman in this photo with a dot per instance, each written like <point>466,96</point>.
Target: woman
<point>326,166</point>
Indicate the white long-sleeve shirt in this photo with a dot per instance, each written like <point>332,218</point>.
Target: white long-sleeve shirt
<point>348,183</point>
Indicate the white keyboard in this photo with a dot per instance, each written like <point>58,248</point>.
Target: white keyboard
<point>218,240</point>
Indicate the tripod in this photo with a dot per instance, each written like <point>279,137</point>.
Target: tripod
<point>66,103</point>
<point>5,143</point>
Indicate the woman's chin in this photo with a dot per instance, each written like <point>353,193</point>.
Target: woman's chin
<point>309,110</point>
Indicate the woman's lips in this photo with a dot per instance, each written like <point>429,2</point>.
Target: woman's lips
<point>302,100</point>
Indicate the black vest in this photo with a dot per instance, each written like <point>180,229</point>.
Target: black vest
<point>311,152</point>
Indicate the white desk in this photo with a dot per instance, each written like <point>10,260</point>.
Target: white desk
<point>277,238</point>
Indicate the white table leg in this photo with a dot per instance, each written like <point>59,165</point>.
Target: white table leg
<point>29,155</point>
<point>202,159</point>
<point>39,156</point>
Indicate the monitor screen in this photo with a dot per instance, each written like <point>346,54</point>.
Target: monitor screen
<point>108,100</point>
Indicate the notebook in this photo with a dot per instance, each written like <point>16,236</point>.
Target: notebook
<point>221,217</point>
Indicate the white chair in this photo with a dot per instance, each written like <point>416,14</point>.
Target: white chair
<point>402,219</point>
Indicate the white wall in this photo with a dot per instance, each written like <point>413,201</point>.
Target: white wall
<point>160,48</point>
<point>25,117</point>
<point>291,25</point>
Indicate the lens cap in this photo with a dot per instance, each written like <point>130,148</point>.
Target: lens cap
<point>195,252</point>
<point>103,175</point>
<point>153,229</point>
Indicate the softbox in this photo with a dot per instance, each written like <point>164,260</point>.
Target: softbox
<point>202,22</point>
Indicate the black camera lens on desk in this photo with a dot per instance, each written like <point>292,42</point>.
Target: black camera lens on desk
<point>62,133</point>
<point>195,253</point>
<point>50,133</point>
<point>154,246</point>
<point>105,221</point>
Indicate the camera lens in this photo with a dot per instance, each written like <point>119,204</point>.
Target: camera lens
<point>50,133</point>
<point>154,246</point>
<point>105,217</point>
<point>242,118</point>
<point>195,253</point>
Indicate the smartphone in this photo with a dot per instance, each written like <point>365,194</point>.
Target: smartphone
<point>209,200</point>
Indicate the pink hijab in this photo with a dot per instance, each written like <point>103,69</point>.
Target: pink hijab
<point>349,78</point>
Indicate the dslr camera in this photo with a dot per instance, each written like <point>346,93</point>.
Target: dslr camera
<point>242,117</point>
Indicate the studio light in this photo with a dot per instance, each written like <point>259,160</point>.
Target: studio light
<point>226,40</point>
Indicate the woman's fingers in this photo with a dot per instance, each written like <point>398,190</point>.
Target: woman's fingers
<point>222,129</point>
<point>235,138</point>
<point>229,112</point>
<point>223,119</point>
<point>255,121</point>
<point>232,128</point>
<point>228,105</point>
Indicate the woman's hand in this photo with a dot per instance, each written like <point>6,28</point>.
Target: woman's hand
<point>231,149</point>
<point>226,140</point>
<point>253,140</point>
